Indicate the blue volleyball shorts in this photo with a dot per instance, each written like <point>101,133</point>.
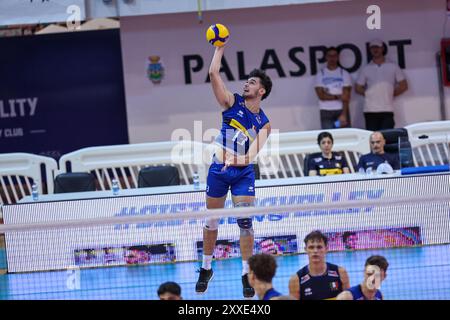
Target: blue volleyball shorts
<point>241,181</point>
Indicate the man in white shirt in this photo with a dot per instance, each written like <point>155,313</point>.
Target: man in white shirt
<point>333,88</point>
<point>380,81</point>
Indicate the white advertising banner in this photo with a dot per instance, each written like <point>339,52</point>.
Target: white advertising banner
<point>166,60</point>
<point>180,240</point>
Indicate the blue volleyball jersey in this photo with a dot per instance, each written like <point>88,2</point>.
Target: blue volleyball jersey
<point>358,295</point>
<point>271,293</point>
<point>240,127</point>
<point>326,286</point>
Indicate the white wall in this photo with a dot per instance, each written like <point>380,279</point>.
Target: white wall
<point>14,12</point>
<point>140,7</point>
<point>38,11</point>
<point>155,110</point>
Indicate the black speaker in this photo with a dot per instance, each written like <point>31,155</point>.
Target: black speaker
<point>74,182</point>
<point>158,176</point>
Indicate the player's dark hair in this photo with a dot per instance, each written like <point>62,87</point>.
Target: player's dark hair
<point>170,287</point>
<point>264,79</point>
<point>331,49</point>
<point>263,266</point>
<point>379,261</point>
<point>324,135</point>
<point>316,235</point>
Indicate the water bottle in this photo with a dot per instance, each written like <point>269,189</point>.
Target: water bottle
<point>35,192</point>
<point>337,124</point>
<point>369,171</point>
<point>361,170</point>
<point>196,180</point>
<point>115,187</point>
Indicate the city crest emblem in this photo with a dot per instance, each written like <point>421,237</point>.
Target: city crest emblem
<point>155,69</point>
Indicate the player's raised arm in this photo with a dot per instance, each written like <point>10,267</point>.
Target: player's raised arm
<point>223,96</point>
<point>259,143</point>
<point>255,147</point>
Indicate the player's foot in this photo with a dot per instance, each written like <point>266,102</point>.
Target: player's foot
<point>203,280</point>
<point>248,291</point>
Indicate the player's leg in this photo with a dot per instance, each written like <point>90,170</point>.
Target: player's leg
<point>210,230</point>
<point>216,193</point>
<point>246,226</point>
<point>246,241</point>
<point>243,191</point>
<point>387,120</point>
<point>326,119</point>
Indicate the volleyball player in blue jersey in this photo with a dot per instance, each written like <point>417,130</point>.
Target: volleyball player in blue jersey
<point>245,129</point>
<point>262,269</point>
<point>319,280</point>
<point>374,274</point>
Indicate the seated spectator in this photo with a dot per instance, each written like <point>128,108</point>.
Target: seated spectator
<point>327,162</point>
<point>377,156</point>
<point>169,291</point>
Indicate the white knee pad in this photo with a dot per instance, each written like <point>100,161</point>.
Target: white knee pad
<point>212,224</point>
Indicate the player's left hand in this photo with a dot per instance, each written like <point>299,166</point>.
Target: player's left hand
<point>235,161</point>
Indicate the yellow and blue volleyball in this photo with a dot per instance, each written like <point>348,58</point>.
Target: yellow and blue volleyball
<point>217,34</point>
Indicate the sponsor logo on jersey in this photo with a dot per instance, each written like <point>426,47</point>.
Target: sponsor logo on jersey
<point>304,279</point>
<point>308,292</point>
<point>333,273</point>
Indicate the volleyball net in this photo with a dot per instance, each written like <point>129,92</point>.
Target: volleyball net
<point>125,247</point>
